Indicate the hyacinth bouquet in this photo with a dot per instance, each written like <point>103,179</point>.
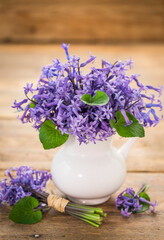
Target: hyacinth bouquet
<point>93,106</point>
<point>24,189</point>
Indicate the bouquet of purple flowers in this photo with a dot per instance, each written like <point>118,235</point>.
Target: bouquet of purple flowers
<point>92,106</point>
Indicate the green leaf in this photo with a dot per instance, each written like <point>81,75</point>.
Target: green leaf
<point>32,104</point>
<point>100,99</point>
<point>144,195</point>
<point>133,130</point>
<point>23,211</point>
<point>86,98</point>
<point>51,137</point>
<point>145,206</point>
<point>112,123</point>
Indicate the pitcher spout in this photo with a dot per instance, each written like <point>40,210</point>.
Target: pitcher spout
<point>124,150</point>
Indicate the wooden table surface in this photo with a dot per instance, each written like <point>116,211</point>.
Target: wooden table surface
<point>19,144</point>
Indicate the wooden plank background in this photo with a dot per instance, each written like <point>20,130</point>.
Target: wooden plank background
<point>19,144</point>
<point>28,29</point>
<point>87,21</point>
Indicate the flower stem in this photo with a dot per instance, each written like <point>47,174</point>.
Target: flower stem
<point>96,210</point>
<point>39,209</point>
<point>143,188</point>
<point>30,99</point>
<point>86,220</point>
<point>89,216</point>
<point>133,104</point>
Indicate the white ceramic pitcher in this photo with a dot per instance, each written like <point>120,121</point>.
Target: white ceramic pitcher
<point>90,173</point>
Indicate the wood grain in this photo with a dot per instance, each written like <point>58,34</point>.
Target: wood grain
<point>81,21</point>
<point>55,225</point>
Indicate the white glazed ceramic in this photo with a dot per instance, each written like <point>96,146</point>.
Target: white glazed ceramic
<point>89,174</point>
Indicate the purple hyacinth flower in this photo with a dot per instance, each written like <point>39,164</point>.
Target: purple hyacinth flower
<point>137,206</point>
<point>125,212</point>
<point>92,58</point>
<point>156,118</point>
<point>65,47</point>
<point>130,63</point>
<point>159,90</point>
<point>12,188</point>
<point>28,88</point>
<point>150,105</point>
<point>153,205</point>
<point>18,105</point>
<point>61,85</point>
<point>128,122</point>
<point>127,202</point>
